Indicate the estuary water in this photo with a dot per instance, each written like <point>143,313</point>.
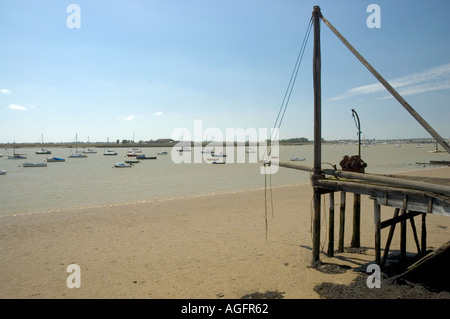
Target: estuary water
<point>92,181</point>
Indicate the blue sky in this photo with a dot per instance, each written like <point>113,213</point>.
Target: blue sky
<point>145,68</point>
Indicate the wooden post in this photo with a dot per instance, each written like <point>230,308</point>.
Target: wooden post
<point>331,226</point>
<point>317,170</point>
<point>342,223</point>
<point>403,231</point>
<point>356,242</point>
<point>423,242</point>
<point>377,221</point>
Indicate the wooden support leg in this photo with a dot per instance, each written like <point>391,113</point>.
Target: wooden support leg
<point>416,239</point>
<point>331,226</point>
<point>342,223</point>
<point>316,229</point>
<point>389,239</point>
<point>403,232</point>
<point>424,233</point>
<point>377,221</point>
<point>356,243</point>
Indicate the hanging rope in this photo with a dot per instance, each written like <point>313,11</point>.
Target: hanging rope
<point>280,116</point>
<point>288,93</point>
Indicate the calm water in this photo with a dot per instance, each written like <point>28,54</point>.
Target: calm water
<point>93,181</point>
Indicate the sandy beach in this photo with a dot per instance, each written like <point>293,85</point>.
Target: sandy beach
<point>212,246</point>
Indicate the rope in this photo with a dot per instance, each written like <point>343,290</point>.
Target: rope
<point>287,94</point>
<point>280,116</point>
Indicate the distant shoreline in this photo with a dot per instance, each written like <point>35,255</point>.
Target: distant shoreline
<point>204,143</point>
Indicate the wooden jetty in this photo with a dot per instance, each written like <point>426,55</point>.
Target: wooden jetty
<point>410,196</point>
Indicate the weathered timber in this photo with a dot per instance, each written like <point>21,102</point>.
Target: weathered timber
<point>331,226</point>
<point>389,238</point>
<point>438,185</point>
<point>317,133</point>
<point>342,222</point>
<point>377,222</point>
<point>418,200</point>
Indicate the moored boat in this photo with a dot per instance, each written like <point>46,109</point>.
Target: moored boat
<point>145,157</point>
<point>55,159</point>
<point>3,171</point>
<point>122,165</point>
<point>29,164</point>
<point>43,151</point>
<point>110,153</point>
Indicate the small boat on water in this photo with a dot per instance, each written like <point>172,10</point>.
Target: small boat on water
<point>145,157</point>
<point>110,153</point>
<point>43,151</point>
<point>297,159</point>
<point>28,164</point>
<point>122,165</point>
<point>78,155</point>
<point>135,151</point>
<point>132,161</point>
<point>3,171</point>
<point>132,154</point>
<point>218,154</point>
<point>16,155</point>
<point>55,159</point>
<point>89,151</point>
<point>162,153</point>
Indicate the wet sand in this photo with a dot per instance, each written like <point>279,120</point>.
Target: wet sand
<point>212,246</point>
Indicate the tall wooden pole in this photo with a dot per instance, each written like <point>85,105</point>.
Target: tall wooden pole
<point>317,169</point>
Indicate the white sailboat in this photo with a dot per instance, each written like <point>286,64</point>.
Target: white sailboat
<point>77,155</point>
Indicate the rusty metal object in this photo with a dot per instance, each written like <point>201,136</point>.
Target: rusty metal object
<point>353,164</point>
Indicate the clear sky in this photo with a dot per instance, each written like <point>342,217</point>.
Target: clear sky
<point>141,68</point>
